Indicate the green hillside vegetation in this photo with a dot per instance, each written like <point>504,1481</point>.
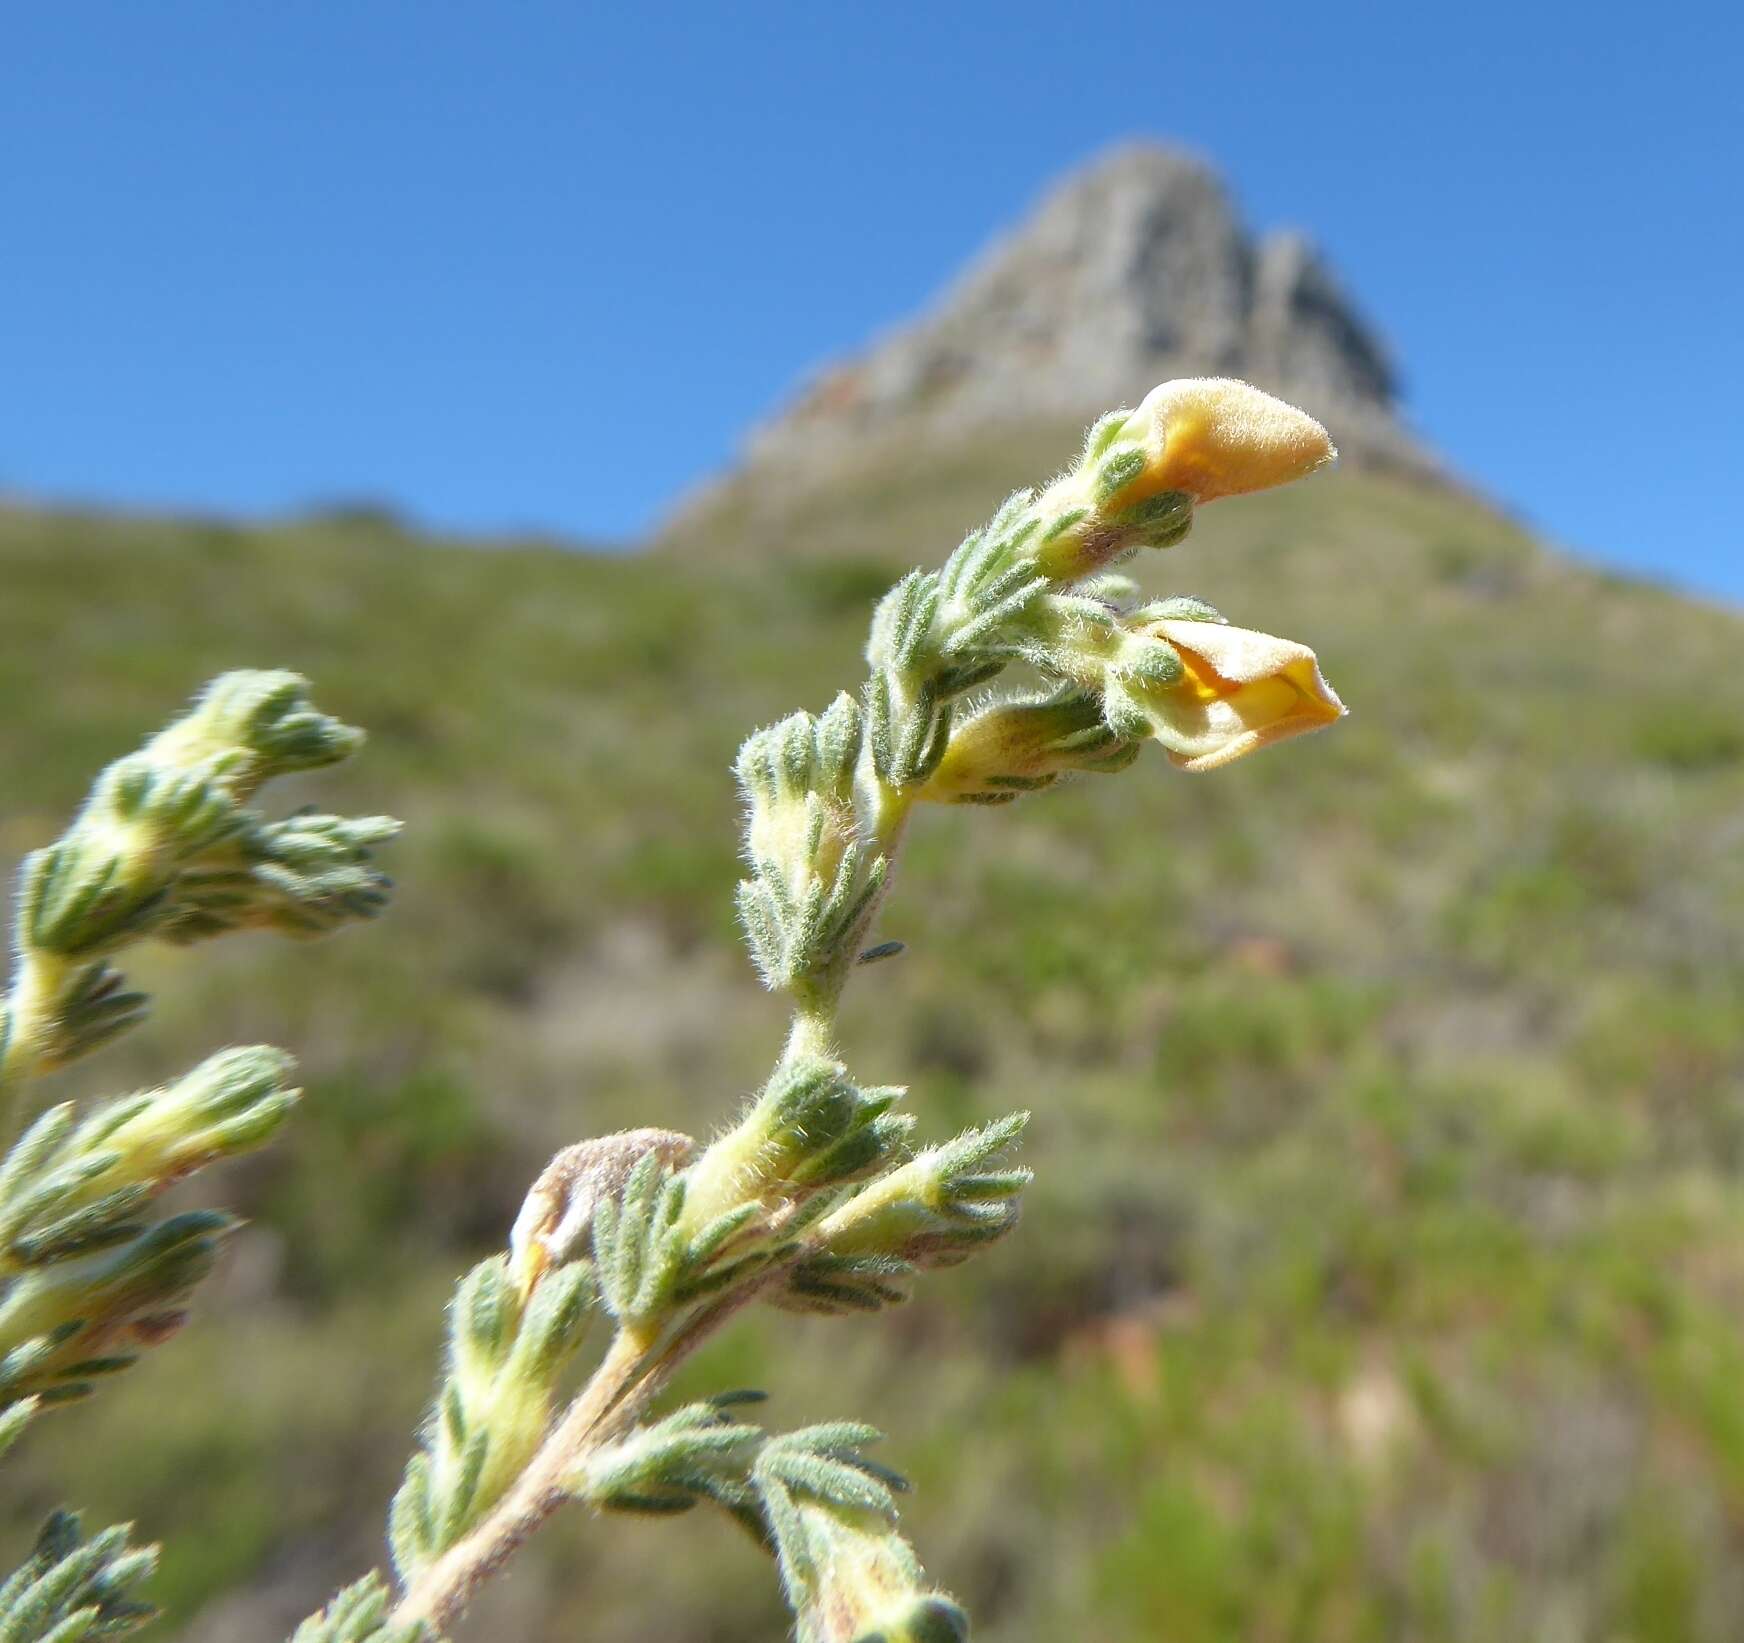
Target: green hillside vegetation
<point>1384,1276</point>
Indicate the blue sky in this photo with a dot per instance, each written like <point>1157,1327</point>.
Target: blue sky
<point>538,265</point>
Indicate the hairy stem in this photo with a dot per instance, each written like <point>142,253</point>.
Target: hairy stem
<point>618,1386</point>
<point>812,1032</point>
<point>634,1368</point>
<point>632,1372</point>
<point>26,1012</point>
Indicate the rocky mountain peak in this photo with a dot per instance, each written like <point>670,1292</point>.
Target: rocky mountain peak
<point>1133,270</point>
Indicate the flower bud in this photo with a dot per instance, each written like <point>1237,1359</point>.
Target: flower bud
<point>1143,472</point>
<point>945,1204</point>
<point>850,1575</point>
<point>798,781</point>
<point>230,1103</point>
<point>248,726</point>
<point>809,1127</point>
<point>1022,746</point>
<point>1209,437</point>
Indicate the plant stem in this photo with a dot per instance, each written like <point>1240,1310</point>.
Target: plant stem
<point>812,1032</point>
<point>633,1369</point>
<point>443,1590</point>
<point>627,1377</point>
<point>28,1008</point>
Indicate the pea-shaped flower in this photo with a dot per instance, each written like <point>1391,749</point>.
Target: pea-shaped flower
<point>1236,691</point>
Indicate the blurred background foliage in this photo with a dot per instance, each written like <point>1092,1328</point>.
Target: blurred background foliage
<point>1384,1278</point>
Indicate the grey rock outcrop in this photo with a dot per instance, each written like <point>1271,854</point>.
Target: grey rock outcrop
<point>1132,271</point>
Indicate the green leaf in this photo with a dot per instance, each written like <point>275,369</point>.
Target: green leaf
<point>359,1614</point>
<point>70,1589</point>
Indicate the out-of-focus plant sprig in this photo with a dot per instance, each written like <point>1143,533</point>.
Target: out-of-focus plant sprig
<point>166,847</point>
<point>359,1614</point>
<point>816,1198</point>
<point>70,1588</point>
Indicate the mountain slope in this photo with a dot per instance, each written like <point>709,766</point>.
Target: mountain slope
<point>1384,1273</point>
<point>1131,271</point>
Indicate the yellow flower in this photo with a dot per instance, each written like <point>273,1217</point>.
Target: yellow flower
<point>1213,436</point>
<point>1144,472</point>
<point>1237,691</point>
